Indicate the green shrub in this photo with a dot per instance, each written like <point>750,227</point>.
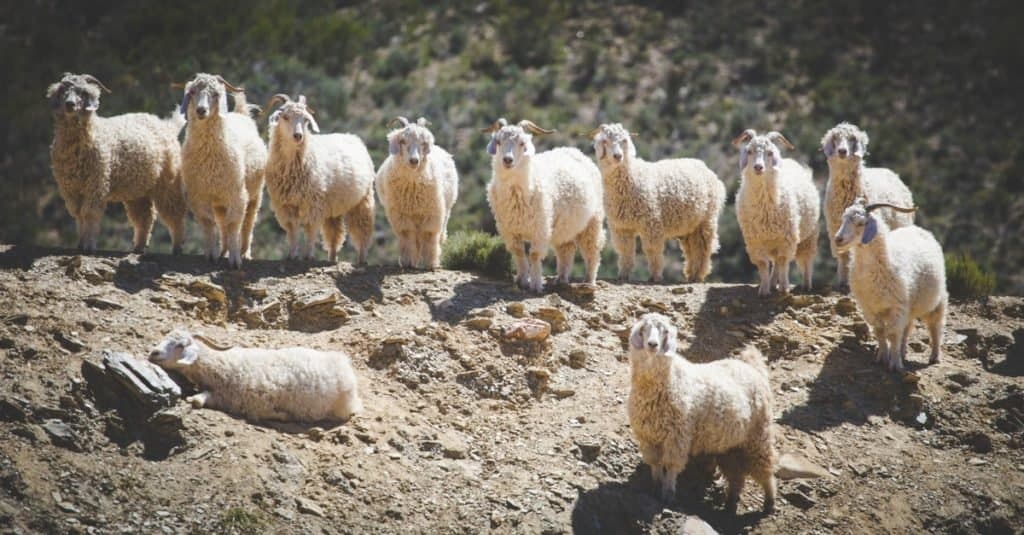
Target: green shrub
<point>239,521</point>
<point>965,278</point>
<point>478,252</point>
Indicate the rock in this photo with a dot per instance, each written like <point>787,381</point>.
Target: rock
<point>516,310</point>
<point>802,300</point>
<point>538,378</point>
<point>581,291</point>
<point>308,507</point>
<point>27,432</point>
<point>561,393</point>
<point>658,306</point>
<point>62,435</point>
<point>389,352</point>
<point>793,466</point>
<point>526,330</point>
<point>453,446</point>
<point>577,359</point>
<point>209,291</point>
<point>916,346</point>
<point>318,311</point>
<point>14,409</point>
<point>860,329</point>
<point>962,378</point>
<point>144,382</point>
<point>679,290</point>
<point>102,304</point>
<point>589,449</point>
<point>799,499</point>
<point>694,525</point>
<point>69,342</point>
<point>479,323</point>
<point>979,442</point>
<point>482,312</point>
<point>553,316</point>
<point>846,306</point>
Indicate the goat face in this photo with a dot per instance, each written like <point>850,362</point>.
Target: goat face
<point>176,350</point>
<point>411,144</point>
<point>652,336</point>
<point>294,120</point>
<point>205,96</point>
<point>512,144</point>
<point>845,142</point>
<point>857,225</point>
<point>613,144</point>
<point>75,94</point>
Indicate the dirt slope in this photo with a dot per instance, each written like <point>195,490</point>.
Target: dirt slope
<point>467,432</point>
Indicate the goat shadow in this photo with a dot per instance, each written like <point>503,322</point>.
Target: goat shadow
<point>632,506</point>
<point>851,387</point>
<point>726,311</point>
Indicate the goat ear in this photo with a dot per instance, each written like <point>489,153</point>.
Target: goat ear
<point>636,336</point>
<point>829,147</point>
<point>492,147</point>
<point>393,147</point>
<point>184,103</point>
<point>743,160</point>
<point>870,230</point>
<point>272,121</point>
<point>92,104</point>
<point>668,339</point>
<point>189,354</point>
<point>599,149</point>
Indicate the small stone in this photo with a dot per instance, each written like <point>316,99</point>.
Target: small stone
<point>962,378</point>
<point>651,304</point>
<point>61,434</point>
<point>845,306</point>
<point>799,499</point>
<point>208,290</point>
<point>69,342</point>
<point>452,446</point>
<point>285,513</point>
<point>793,466</point>
<point>527,330</point>
<point>555,317</point>
<point>308,507</point>
<point>589,449</point>
<point>974,461</point>
<point>577,359</point>
<point>538,378</point>
<point>102,304</point>
<point>516,310</point>
<point>479,323</point>
<point>860,329</point>
<point>979,442</point>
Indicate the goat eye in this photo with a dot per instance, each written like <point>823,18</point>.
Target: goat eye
<point>522,145</point>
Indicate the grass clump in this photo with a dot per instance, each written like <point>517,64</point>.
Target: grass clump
<point>238,521</point>
<point>478,252</point>
<point>965,278</point>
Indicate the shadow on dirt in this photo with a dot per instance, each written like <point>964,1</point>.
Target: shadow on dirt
<point>850,387</point>
<point>633,507</point>
<point>727,314</point>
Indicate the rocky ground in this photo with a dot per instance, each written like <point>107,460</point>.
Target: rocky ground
<point>478,419</point>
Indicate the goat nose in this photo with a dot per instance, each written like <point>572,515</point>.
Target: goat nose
<point>414,161</point>
<point>652,343</point>
<point>842,153</point>
<point>154,353</point>
<point>618,157</point>
<point>297,136</point>
<point>758,167</point>
<point>507,159</point>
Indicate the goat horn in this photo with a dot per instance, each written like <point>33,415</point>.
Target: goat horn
<point>92,80</point>
<point>595,131</point>
<point>280,97</point>
<point>877,205</point>
<point>532,127</point>
<point>746,136</point>
<point>781,138</point>
<point>215,345</point>
<point>179,85</point>
<point>230,87</point>
<point>498,125</point>
<point>399,121</point>
<point>422,121</point>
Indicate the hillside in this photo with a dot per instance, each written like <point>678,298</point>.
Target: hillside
<point>466,431</point>
<point>936,85</point>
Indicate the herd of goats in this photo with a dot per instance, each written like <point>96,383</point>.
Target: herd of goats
<point>326,183</point>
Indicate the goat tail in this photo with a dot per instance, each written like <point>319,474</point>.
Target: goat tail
<point>752,356</point>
